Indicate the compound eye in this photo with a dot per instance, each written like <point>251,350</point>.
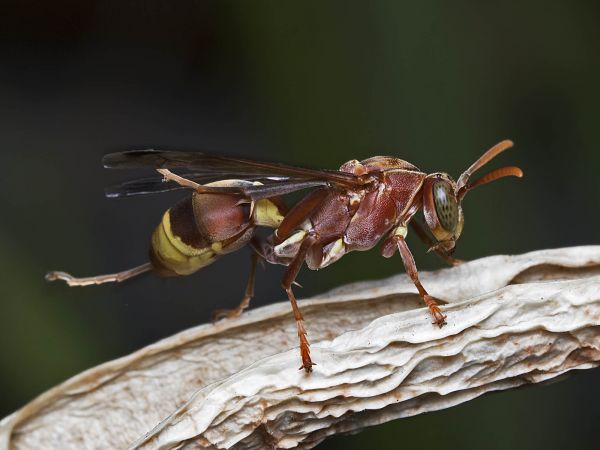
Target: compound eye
<point>446,207</point>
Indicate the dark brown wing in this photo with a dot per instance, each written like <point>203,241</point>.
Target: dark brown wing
<point>222,167</point>
<point>269,188</point>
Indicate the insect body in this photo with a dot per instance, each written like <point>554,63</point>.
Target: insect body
<point>349,209</point>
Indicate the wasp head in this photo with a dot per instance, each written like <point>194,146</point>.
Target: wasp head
<point>442,197</point>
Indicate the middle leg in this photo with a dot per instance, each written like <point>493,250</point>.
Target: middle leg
<point>288,279</point>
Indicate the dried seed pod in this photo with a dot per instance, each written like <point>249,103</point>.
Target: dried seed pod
<point>200,389</point>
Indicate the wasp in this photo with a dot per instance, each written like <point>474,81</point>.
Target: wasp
<point>350,209</point>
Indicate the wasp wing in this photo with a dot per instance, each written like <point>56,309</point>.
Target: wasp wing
<point>223,167</point>
<point>269,187</point>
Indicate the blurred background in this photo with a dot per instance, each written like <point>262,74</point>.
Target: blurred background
<point>311,83</point>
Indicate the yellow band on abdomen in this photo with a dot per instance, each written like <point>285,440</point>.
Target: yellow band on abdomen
<point>176,255</point>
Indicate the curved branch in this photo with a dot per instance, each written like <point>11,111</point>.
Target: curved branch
<point>511,320</point>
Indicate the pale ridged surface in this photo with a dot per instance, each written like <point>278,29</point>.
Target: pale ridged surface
<point>511,320</point>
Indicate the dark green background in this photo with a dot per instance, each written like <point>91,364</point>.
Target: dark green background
<point>312,83</point>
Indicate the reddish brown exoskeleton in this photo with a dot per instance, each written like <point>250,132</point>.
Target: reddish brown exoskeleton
<point>350,209</point>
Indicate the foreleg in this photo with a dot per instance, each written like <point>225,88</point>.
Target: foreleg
<point>431,246</point>
<point>397,241</point>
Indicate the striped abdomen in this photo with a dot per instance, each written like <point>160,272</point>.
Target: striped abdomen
<point>200,228</point>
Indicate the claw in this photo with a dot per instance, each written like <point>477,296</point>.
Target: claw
<point>221,314</point>
<point>307,366</point>
<point>218,315</point>
<point>439,319</point>
<point>456,262</point>
<point>306,363</point>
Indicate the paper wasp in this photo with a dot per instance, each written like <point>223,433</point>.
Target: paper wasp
<point>348,209</point>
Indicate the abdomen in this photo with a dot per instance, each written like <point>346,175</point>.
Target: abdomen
<point>197,230</point>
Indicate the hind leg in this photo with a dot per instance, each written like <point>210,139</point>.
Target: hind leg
<point>98,279</point>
